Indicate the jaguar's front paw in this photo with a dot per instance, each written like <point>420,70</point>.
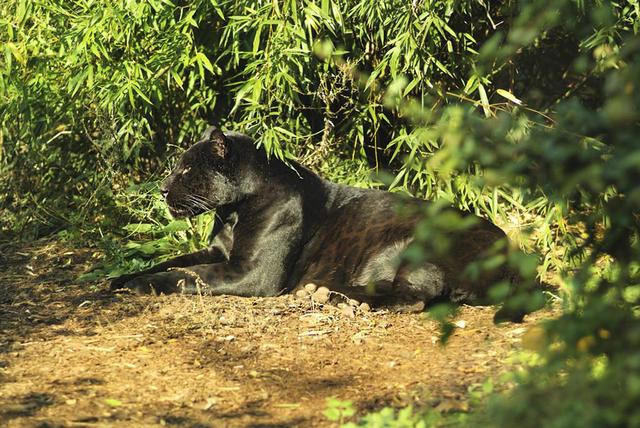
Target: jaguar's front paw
<point>162,283</point>
<point>119,282</point>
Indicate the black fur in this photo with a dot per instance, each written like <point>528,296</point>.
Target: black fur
<point>283,227</point>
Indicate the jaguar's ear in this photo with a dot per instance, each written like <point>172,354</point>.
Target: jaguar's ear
<point>217,141</point>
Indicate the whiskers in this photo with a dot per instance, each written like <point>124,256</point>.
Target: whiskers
<point>196,204</point>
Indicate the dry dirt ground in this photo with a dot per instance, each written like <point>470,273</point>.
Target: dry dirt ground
<point>74,354</point>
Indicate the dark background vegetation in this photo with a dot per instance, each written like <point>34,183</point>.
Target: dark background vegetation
<point>526,112</point>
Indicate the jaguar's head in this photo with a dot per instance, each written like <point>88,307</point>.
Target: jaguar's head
<point>203,178</point>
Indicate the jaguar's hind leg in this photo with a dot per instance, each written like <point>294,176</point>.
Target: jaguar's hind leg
<point>426,281</point>
<point>412,288</point>
<point>400,288</point>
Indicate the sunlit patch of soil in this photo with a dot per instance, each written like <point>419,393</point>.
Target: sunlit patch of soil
<point>76,355</point>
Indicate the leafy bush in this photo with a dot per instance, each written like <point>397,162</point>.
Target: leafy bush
<point>583,158</point>
<point>91,90</point>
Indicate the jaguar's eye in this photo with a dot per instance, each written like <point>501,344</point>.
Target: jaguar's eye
<point>186,170</point>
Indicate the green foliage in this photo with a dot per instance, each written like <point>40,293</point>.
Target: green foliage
<point>92,89</point>
<point>152,234</point>
<point>583,158</point>
<point>339,411</point>
<point>88,88</point>
<point>389,418</point>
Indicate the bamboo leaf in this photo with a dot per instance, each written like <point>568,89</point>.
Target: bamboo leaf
<point>484,100</point>
<point>508,95</point>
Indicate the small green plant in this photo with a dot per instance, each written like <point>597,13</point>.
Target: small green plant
<point>407,417</point>
<point>338,410</point>
<point>390,418</point>
<point>151,235</point>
